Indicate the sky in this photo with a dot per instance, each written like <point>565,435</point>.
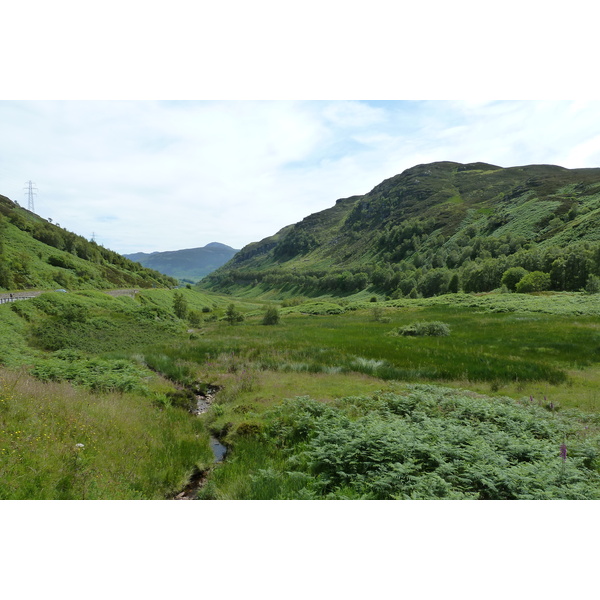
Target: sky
<point>145,175</point>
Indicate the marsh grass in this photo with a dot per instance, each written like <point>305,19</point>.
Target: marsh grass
<point>489,347</point>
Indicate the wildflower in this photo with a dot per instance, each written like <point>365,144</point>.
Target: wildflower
<point>563,451</point>
<point>79,445</point>
<point>530,398</point>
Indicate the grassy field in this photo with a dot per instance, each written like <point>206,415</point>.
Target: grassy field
<point>508,352</point>
<point>107,378</point>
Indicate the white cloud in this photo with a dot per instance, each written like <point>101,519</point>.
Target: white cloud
<point>166,175</point>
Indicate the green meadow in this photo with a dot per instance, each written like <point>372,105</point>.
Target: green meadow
<point>459,396</point>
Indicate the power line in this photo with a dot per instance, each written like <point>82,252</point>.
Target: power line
<point>31,192</point>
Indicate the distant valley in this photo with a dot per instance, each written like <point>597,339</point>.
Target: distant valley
<point>191,264</point>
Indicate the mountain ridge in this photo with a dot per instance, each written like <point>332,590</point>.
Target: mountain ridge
<point>441,215</point>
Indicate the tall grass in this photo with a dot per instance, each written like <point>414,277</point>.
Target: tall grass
<point>58,442</point>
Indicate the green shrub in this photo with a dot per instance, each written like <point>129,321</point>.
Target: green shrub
<point>320,308</point>
<point>424,328</point>
<point>60,261</point>
<point>232,315</point>
<point>194,318</point>
<point>271,316</point>
<point>180,305</point>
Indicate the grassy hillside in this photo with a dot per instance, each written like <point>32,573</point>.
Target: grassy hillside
<point>36,254</point>
<point>434,229</point>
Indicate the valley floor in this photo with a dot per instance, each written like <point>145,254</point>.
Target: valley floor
<point>461,396</point>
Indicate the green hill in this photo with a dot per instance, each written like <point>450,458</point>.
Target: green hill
<point>432,229</point>
<point>35,254</point>
<point>191,264</point>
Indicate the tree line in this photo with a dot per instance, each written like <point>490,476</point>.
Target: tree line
<point>483,266</point>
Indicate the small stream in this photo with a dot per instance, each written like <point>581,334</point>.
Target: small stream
<point>198,477</point>
<point>218,449</point>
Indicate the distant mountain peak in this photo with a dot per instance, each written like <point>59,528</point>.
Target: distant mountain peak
<point>190,263</point>
<point>216,245</point>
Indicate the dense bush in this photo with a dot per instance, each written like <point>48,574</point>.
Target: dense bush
<point>512,276</point>
<point>429,443</point>
<point>60,261</point>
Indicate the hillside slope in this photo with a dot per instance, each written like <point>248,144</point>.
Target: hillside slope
<point>434,228</point>
<point>191,264</point>
<point>37,254</point>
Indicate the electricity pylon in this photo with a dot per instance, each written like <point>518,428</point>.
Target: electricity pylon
<point>31,192</point>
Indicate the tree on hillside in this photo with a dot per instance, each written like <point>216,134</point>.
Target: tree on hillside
<point>232,316</point>
<point>434,282</point>
<point>512,276</point>
<point>180,305</point>
<point>593,285</point>
<point>454,284</point>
